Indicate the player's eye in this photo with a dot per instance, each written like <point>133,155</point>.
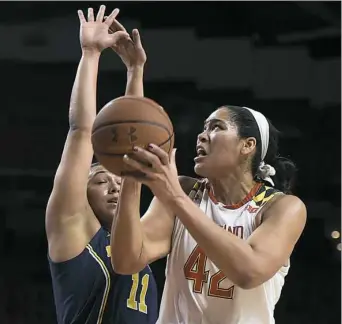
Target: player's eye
<point>216,126</point>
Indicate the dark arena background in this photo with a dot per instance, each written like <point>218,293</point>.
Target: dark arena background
<point>282,58</point>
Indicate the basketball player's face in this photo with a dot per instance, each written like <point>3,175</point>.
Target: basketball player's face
<point>103,194</point>
<point>218,146</point>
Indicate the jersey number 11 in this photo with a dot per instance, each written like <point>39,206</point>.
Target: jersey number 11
<point>132,299</point>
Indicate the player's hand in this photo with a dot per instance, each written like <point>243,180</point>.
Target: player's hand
<point>160,171</point>
<point>94,33</point>
<point>130,50</point>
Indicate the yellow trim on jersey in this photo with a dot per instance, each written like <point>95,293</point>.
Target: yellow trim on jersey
<point>107,278</point>
<point>264,195</point>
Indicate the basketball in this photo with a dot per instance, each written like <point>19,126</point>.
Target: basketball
<point>126,122</point>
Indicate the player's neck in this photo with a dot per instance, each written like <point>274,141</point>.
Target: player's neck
<point>232,189</point>
<point>107,226</point>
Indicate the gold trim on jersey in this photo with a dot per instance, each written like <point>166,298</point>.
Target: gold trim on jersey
<point>264,194</point>
<point>107,278</point>
<point>197,191</point>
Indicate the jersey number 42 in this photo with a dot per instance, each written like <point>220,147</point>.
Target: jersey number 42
<point>194,269</point>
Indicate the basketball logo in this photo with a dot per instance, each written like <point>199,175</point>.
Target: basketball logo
<point>114,134</point>
<point>132,137</point>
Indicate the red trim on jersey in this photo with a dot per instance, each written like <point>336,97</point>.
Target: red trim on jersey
<point>249,196</point>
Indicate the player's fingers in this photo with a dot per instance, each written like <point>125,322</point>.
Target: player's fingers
<point>110,29</point>
<point>90,14</point>
<point>136,37</point>
<point>112,16</point>
<point>81,16</point>
<point>148,157</point>
<point>160,153</point>
<point>100,13</point>
<point>138,166</point>
<point>120,35</point>
<point>116,26</point>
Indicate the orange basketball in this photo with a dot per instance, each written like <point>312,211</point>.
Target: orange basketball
<point>126,122</point>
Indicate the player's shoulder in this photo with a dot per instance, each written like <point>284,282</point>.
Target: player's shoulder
<point>286,205</point>
<point>290,201</point>
<point>187,183</point>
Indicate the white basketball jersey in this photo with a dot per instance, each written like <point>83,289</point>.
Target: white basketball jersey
<point>195,291</point>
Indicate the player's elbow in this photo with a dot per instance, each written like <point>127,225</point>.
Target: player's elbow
<point>246,275</point>
<point>124,265</point>
<point>124,268</point>
<point>251,278</point>
<point>246,282</point>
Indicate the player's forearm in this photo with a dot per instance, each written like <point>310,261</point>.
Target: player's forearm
<point>234,256</point>
<point>135,85</point>
<point>83,97</point>
<point>126,234</point>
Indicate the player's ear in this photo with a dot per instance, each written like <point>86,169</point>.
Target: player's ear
<point>248,145</point>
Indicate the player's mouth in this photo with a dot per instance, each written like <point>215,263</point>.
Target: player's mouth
<point>201,153</point>
<point>113,201</point>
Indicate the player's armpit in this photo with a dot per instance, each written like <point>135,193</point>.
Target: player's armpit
<point>69,240</point>
<point>273,241</point>
<point>158,223</point>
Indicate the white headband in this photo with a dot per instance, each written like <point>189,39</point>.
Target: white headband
<point>265,171</point>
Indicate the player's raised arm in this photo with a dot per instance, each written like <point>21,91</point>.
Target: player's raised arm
<point>68,223</point>
<point>133,56</point>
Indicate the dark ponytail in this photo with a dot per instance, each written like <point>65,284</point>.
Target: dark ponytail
<point>285,176</point>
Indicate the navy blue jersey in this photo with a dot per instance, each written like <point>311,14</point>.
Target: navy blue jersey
<point>87,291</point>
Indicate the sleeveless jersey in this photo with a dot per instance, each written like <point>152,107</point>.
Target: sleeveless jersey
<point>196,291</point>
<point>87,291</point>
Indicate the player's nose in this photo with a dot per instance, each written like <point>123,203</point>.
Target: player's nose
<point>114,187</point>
<point>202,138</point>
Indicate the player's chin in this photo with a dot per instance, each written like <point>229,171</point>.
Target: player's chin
<point>111,207</point>
<point>109,215</point>
<point>202,169</point>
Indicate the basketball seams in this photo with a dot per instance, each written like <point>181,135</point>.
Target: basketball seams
<point>122,154</point>
<point>169,139</point>
<point>133,121</point>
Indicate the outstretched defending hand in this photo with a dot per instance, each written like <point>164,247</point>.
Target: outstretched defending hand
<point>94,33</point>
<point>130,50</point>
